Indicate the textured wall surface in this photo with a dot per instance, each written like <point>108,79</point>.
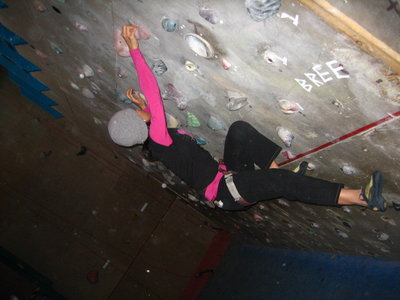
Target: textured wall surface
<point>288,71</point>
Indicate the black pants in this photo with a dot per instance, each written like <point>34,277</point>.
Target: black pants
<point>244,147</point>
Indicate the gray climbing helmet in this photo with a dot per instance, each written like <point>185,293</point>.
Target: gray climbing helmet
<point>126,128</point>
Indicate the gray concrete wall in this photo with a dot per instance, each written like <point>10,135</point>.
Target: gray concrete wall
<point>333,86</point>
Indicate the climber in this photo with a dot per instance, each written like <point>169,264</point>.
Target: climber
<point>233,184</point>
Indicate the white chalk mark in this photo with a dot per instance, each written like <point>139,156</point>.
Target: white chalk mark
<point>106,264</point>
<point>144,207</point>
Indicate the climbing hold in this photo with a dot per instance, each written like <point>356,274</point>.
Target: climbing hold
<point>192,120</point>
<point>341,233</point>
<point>199,45</point>
<point>382,236</point>
<point>315,225</point>
<point>39,6</point>
<point>257,218</point>
<point>347,224</point>
<point>97,121</point>
<point>215,123</point>
<point>87,71</point>
<point>172,94</point>
<point>87,93</point>
<point>56,10</point>
<point>210,15</point>
<point>82,151</point>
<point>288,154</point>
<point>201,141</point>
<point>122,97</point>
<point>396,205</point>
<point>236,100</point>
<point>286,136</point>
<point>168,175</point>
<point>348,170</point>
<point>210,204</point>
<point>272,58</point>
<point>119,44</point>
<point>236,103</point>
<point>93,276</point>
<point>259,10</point>
<point>74,86</point>
<point>288,107</point>
<point>172,122</point>
<point>40,54</point>
<point>192,198</point>
<point>159,67</point>
<point>225,64</point>
<point>389,220</point>
<point>122,72</point>
<point>142,33</point>
<point>81,27</point>
<point>190,66</point>
<point>346,209</point>
<point>311,167</point>
<point>55,48</point>
<point>283,203</point>
<point>169,25</point>
<point>95,87</point>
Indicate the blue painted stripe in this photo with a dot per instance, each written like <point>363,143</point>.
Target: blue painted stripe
<point>3,4</point>
<point>21,77</point>
<point>22,62</point>
<point>19,68</point>
<point>38,100</point>
<point>10,36</point>
<point>38,97</point>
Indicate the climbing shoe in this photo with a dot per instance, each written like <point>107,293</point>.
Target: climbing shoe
<point>372,193</point>
<point>301,168</point>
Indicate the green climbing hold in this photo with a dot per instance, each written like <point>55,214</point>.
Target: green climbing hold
<point>56,48</point>
<point>192,120</point>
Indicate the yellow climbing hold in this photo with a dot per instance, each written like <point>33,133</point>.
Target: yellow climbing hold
<point>190,66</point>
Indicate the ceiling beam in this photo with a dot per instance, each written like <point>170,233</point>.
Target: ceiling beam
<point>354,31</point>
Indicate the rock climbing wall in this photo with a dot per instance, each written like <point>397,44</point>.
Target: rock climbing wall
<point>276,65</point>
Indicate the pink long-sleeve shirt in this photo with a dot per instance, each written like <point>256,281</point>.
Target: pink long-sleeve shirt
<point>158,130</point>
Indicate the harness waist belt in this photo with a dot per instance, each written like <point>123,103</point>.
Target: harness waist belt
<point>232,187</point>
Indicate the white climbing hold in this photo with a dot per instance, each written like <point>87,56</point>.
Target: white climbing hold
<point>87,71</point>
<point>348,170</point>
<point>236,103</point>
<point>193,198</point>
<point>382,236</point>
<point>80,27</point>
<point>87,93</point>
<point>199,45</point>
<point>74,86</point>
<point>286,136</point>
